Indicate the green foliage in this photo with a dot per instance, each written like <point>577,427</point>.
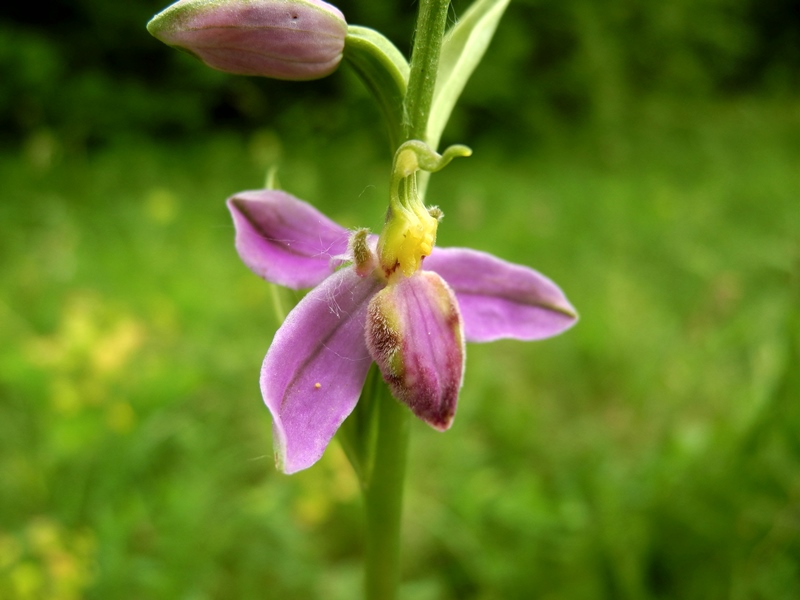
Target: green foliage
<point>89,70</point>
<point>649,453</point>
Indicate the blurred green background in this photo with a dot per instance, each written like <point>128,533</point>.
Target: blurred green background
<point>644,155</point>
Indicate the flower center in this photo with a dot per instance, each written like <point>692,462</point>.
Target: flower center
<point>409,233</point>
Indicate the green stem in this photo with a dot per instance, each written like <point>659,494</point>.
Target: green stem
<point>383,490</point>
<point>383,497</point>
<point>431,24</point>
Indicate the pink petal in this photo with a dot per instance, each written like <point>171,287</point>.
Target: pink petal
<point>285,240</point>
<point>298,40</point>
<point>316,366</point>
<point>414,332</point>
<point>499,299</point>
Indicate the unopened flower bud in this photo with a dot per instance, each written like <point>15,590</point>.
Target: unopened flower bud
<point>282,39</point>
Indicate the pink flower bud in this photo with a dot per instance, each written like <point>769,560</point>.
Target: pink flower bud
<point>282,39</point>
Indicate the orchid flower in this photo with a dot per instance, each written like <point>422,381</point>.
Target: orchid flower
<point>406,305</point>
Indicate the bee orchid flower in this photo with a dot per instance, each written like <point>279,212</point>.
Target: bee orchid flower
<point>409,313</point>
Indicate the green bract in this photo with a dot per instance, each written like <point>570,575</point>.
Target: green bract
<point>383,69</point>
<point>462,49</point>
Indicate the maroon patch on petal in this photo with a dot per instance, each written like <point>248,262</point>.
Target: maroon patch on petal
<point>415,335</point>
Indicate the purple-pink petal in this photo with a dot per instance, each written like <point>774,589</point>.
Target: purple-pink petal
<point>499,299</point>
<point>316,366</point>
<point>415,335</point>
<point>285,240</point>
<point>294,40</point>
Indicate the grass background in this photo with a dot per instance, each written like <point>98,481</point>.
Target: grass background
<point>652,452</point>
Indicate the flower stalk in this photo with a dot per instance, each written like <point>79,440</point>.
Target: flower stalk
<point>383,495</point>
<point>431,23</point>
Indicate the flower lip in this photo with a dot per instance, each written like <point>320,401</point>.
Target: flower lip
<point>415,334</point>
<point>281,39</point>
